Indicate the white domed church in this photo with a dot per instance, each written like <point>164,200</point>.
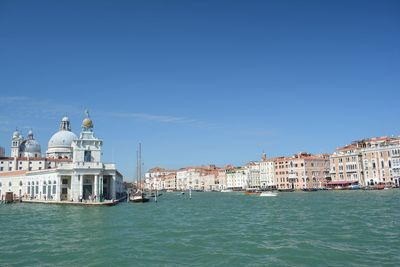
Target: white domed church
<point>72,169</point>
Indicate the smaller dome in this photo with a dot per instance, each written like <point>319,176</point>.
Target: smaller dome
<point>16,134</point>
<point>30,133</point>
<point>87,123</point>
<point>30,146</point>
<point>65,119</point>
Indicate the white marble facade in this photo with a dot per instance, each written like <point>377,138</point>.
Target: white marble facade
<point>78,171</point>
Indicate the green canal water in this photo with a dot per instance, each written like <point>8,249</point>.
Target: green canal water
<point>353,228</point>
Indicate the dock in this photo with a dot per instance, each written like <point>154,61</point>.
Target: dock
<point>76,203</point>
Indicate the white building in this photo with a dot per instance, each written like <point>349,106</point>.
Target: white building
<point>237,178</point>
<point>254,174</point>
<point>74,171</point>
<point>267,174</point>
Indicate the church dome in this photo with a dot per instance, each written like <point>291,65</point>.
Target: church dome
<point>30,147</point>
<point>62,139</point>
<point>60,144</point>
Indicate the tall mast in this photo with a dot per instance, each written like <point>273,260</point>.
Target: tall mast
<point>140,164</point>
<point>137,170</point>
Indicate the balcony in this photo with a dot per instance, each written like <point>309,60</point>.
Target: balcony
<point>88,165</point>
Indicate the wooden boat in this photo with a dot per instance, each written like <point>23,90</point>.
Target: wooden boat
<point>252,191</point>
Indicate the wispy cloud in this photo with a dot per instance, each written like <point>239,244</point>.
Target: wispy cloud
<point>162,119</point>
<point>16,109</point>
<point>23,106</point>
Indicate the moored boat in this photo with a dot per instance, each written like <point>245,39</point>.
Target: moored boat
<point>286,190</point>
<point>139,197</point>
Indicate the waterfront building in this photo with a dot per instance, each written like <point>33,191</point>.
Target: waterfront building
<point>169,181</point>
<point>267,173</point>
<point>72,171</point>
<point>156,178</point>
<point>221,179</point>
<point>301,171</point>
<point>367,162</point>
<point>197,178</point>
<point>237,178</point>
<point>253,179</point>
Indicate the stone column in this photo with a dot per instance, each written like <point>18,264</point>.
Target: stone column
<point>96,187</point>
<point>113,187</point>
<point>101,186</point>
<point>58,188</point>
<point>80,177</point>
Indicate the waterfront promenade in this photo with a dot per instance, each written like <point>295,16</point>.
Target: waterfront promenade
<point>83,203</point>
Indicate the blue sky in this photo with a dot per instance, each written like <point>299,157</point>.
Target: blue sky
<point>201,82</point>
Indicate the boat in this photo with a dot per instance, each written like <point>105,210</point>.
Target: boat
<point>354,187</point>
<point>252,191</point>
<point>139,196</point>
<point>286,190</point>
<point>226,190</point>
<point>268,194</point>
<point>310,189</point>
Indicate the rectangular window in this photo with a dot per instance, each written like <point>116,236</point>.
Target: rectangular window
<point>54,189</point>
<point>44,189</point>
<point>64,191</point>
<point>37,189</point>
<point>88,156</point>
<point>65,181</point>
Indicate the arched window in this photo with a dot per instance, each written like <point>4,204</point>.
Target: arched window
<point>20,183</point>
<point>9,184</point>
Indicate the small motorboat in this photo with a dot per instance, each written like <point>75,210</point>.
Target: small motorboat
<point>226,190</point>
<point>268,194</point>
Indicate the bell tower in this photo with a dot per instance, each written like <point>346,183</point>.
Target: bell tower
<point>15,143</point>
<point>87,148</point>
